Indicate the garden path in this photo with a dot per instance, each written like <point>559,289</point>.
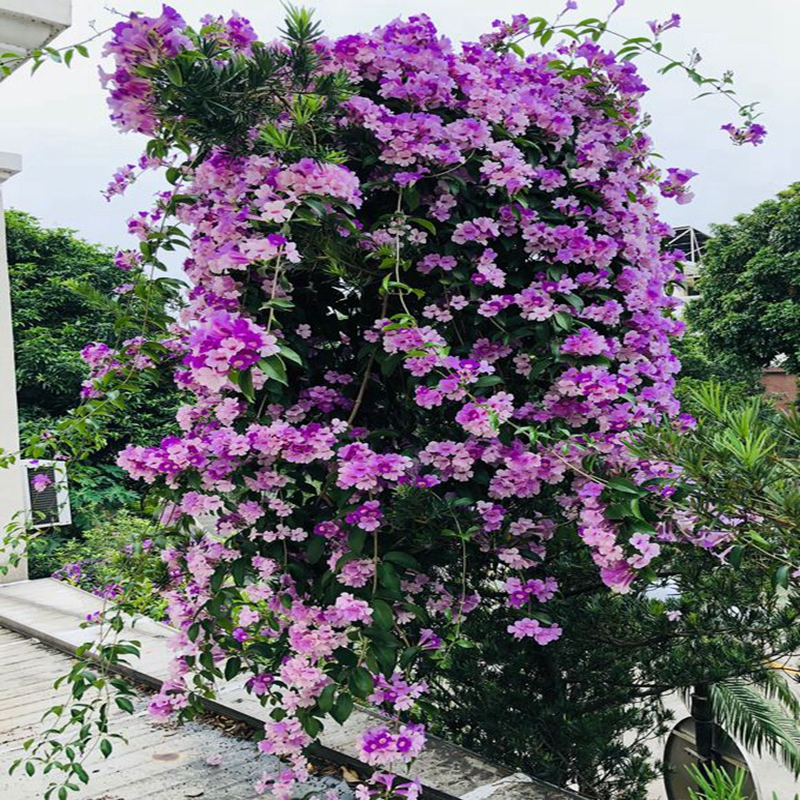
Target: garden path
<point>160,760</point>
<point>53,612</point>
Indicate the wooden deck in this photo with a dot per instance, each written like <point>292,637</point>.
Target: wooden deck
<point>159,760</point>
<point>52,612</point>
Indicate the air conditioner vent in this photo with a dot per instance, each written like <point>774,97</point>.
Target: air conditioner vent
<point>46,494</point>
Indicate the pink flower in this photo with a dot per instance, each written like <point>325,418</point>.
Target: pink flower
<point>41,481</point>
<point>248,617</point>
<point>356,573</point>
<point>534,629</point>
<point>751,133</point>
<point>675,185</point>
<point>659,27</point>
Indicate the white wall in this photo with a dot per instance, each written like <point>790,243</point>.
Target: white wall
<point>769,775</point>
<point>11,486</point>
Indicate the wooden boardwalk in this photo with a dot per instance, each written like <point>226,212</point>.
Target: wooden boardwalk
<point>52,612</point>
<point>160,761</point>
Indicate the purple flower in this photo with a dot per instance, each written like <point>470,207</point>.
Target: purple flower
<point>659,27</point>
<point>751,133</point>
<point>675,185</point>
<point>41,481</point>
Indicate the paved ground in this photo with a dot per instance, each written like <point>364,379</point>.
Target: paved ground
<point>53,612</point>
<point>160,760</point>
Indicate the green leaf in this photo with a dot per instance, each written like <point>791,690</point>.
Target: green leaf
<point>315,549</point>
<point>362,684</point>
<point>343,708</point>
<point>233,667</point>
<point>173,71</point>
<point>735,556</point>
<point>781,577</point>
<point>325,700</point>
<point>403,559</point>
<point>388,577</point>
<point>239,571</point>
<point>382,614</point>
<point>274,368</point>
<point>83,776</point>
<point>290,354</point>
<point>246,385</point>
<point>626,486</point>
<point>312,726</point>
<point>124,703</point>
<point>562,320</point>
<point>427,224</point>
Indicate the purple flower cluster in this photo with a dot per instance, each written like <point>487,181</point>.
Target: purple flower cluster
<point>382,746</point>
<point>750,133</point>
<point>532,338</point>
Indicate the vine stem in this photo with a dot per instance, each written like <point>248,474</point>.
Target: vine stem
<point>368,370</point>
<point>690,72</point>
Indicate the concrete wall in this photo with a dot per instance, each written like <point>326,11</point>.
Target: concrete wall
<point>11,485</point>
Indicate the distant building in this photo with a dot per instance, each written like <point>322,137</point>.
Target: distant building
<point>692,242</point>
<point>25,25</point>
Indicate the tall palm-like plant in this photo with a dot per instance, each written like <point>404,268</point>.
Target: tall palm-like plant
<point>740,469</point>
<point>715,783</point>
<point>762,712</point>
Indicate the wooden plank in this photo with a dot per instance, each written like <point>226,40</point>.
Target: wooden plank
<point>162,760</point>
<point>52,612</point>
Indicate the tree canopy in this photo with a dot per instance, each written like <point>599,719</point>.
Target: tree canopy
<point>749,312</point>
<point>52,320</point>
<point>60,290</point>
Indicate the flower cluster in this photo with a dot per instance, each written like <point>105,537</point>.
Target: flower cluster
<point>381,746</point>
<point>409,340</point>
<point>750,133</point>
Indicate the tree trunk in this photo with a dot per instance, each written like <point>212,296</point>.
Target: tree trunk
<point>703,715</point>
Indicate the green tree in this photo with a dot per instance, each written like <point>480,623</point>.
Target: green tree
<point>52,321</point>
<point>579,711</point>
<point>60,286</point>
<point>749,311</point>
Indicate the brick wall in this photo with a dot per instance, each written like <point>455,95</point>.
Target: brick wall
<point>779,385</point>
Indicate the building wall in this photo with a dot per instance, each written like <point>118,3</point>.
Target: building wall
<point>779,385</point>
<point>24,26</point>
<point>11,486</point>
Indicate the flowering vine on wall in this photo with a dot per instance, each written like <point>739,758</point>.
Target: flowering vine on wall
<point>428,304</point>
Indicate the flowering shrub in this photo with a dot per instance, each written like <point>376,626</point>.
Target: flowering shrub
<point>428,303</point>
<point>115,554</point>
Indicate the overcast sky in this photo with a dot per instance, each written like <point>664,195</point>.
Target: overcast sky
<point>58,119</point>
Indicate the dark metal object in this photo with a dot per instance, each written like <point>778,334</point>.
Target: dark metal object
<point>703,716</point>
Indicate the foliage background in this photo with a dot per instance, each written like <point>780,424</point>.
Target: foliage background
<point>60,287</point>
<point>749,310</point>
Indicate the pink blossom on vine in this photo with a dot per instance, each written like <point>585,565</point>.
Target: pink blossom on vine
<point>751,133</point>
<point>532,628</point>
<point>675,185</point>
<point>380,746</point>
<point>659,27</point>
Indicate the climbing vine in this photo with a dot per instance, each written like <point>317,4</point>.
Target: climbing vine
<point>428,302</point>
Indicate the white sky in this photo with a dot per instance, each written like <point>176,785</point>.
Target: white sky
<point>58,118</point>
